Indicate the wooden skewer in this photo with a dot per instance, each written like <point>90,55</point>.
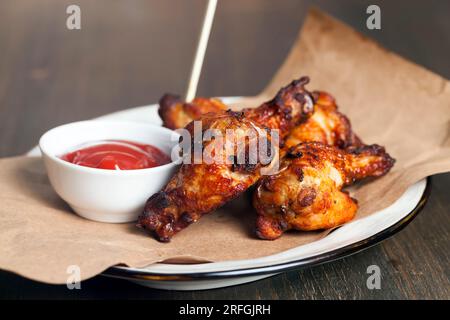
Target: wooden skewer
<point>201,49</point>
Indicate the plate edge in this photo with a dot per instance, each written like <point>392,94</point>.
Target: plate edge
<point>333,255</point>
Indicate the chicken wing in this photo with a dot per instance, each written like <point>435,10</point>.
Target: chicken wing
<point>326,125</point>
<point>307,192</point>
<point>291,106</point>
<point>177,114</point>
<point>280,113</point>
<point>201,187</point>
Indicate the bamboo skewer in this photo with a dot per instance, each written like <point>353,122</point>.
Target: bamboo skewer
<point>201,49</point>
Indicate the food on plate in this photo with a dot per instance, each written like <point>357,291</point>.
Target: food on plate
<point>320,155</point>
<point>291,106</point>
<point>199,188</point>
<point>307,193</point>
<point>117,155</point>
<point>282,112</point>
<point>326,125</point>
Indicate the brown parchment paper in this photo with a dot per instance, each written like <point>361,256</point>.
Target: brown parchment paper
<point>390,101</point>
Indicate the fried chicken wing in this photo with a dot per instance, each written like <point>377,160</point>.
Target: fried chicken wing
<point>326,125</point>
<point>307,192</point>
<point>282,112</point>
<point>291,106</point>
<point>201,187</point>
<point>177,114</point>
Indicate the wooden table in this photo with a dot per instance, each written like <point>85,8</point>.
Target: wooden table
<point>128,53</point>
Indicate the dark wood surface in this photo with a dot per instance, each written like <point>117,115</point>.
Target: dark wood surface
<point>130,52</point>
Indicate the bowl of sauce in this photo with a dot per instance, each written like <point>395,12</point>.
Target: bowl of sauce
<point>117,155</point>
<point>106,170</point>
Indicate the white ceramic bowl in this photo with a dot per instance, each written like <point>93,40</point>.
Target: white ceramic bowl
<point>99,194</point>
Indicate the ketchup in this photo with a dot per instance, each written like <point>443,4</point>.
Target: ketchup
<point>117,155</point>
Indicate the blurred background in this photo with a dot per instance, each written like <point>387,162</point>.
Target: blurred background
<point>128,53</point>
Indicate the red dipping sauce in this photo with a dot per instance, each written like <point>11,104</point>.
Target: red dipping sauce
<point>117,155</point>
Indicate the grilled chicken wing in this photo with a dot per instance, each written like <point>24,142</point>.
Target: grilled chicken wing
<point>326,125</point>
<point>291,106</point>
<point>177,114</point>
<point>307,192</point>
<point>274,114</point>
<point>199,188</point>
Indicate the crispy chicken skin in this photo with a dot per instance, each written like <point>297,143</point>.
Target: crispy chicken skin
<point>291,106</point>
<point>307,192</point>
<point>177,114</point>
<point>199,188</point>
<point>326,125</point>
<point>283,112</point>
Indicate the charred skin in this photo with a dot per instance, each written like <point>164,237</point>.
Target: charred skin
<point>292,105</point>
<point>189,196</point>
<point>306,195</point>
<point>307,192</point>
<point>197,189</point>
<point>321,122</point>
<point>326,125</point>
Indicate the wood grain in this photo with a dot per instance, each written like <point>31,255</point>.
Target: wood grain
<point>130,53</point>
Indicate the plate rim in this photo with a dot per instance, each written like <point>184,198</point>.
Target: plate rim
<point>333,255</point>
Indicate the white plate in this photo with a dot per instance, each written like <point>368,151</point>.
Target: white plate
<point>348,239</point>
